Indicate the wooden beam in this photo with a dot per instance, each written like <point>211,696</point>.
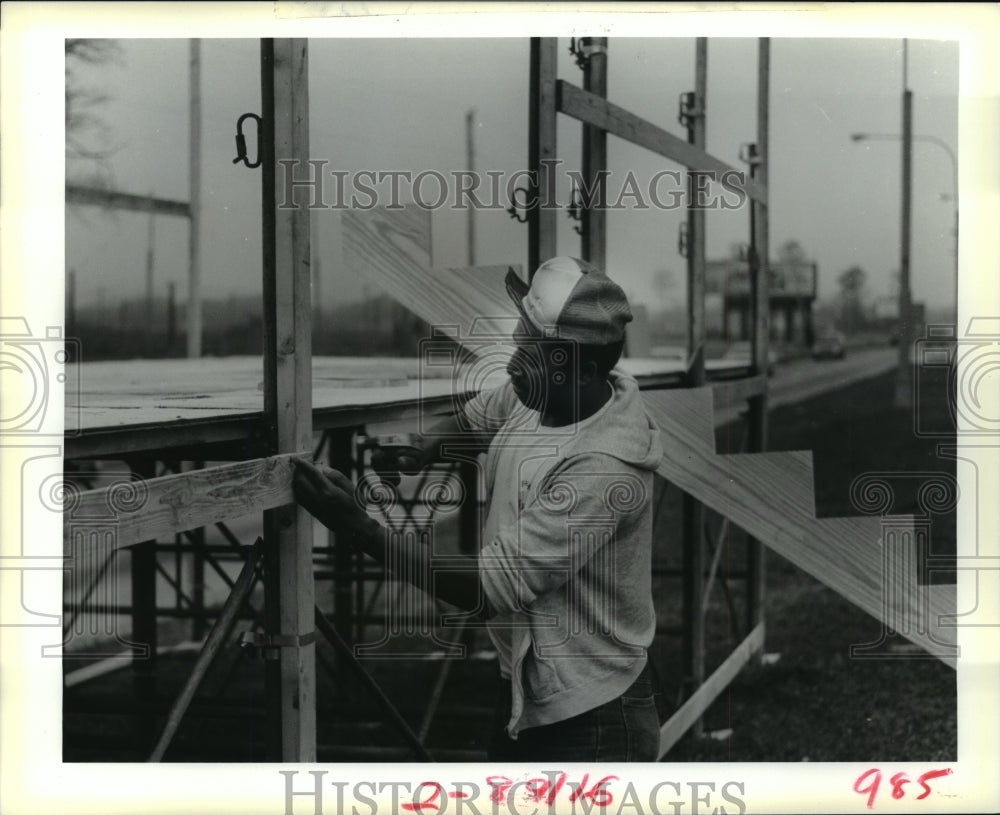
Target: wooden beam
<point>213,645</point>
<point>591,109</point>
<point>289,587</point>
<point>393,247</point>
<point>732,391</point>
<point>165,506</point>
<point>542,151</point>
<point>109,199</point>
<point>696,704</point>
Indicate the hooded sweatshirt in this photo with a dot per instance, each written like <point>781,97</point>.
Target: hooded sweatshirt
<point>567,555</point>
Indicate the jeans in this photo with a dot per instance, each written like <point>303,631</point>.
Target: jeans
<point>624,729</point>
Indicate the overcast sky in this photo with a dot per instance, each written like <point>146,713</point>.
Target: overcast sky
<point>400,105</point>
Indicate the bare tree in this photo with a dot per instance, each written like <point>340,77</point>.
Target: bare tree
<point>88,138</point>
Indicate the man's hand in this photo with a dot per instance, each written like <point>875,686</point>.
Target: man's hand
<point>328,495</point>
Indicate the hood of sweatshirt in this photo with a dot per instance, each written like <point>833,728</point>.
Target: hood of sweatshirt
<point>621,428</point>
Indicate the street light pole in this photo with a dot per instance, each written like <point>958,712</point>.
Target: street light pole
<point>859,137</point>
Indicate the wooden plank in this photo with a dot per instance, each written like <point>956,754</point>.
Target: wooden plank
<point>213,645</point>
<point>110,199</point>
<point>393,248</point>
<point>289,587</point>
<point>770,495</point>
<point>164,506</point>
<point>696,704</point>
<point>542,150</point>
<point>590,109</point>
<point>734,391</point>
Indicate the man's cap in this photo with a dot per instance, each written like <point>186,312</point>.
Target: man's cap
<point>570,299</point>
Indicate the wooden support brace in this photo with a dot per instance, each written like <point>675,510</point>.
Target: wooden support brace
<point>213,645</point>
<point>692,710</point>
<point>591,109</point>
<point>109,199</point>
<point>165,506</point>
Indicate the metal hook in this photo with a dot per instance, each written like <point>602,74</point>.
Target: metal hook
<point>241,142</point>
<point>688,108</point>
<point>748,154</point>
<point>512,210</point>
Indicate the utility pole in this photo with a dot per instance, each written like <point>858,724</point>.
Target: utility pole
<point>904,377</point>
<point>194,182</point>
<point>470,162</point>
<point>150,241</point>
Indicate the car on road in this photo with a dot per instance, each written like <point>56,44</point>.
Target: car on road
<point>829,346</point>
<point>743,353</point>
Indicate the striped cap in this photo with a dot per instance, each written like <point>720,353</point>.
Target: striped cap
<point>570,299</point>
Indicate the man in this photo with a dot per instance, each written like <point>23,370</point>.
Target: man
<point>564,575</point>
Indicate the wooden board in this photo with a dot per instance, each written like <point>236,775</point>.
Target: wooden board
<point>771,496</point>
<point>591,109</point>
<point>132,512</point>
<point>699,701</point>
<point>392,247</point>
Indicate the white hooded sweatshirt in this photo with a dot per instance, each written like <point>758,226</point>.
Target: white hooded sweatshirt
<point>567,555</point>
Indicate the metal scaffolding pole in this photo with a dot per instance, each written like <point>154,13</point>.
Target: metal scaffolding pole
<point>759,253</point>
<point>593,221</point>
<point>693,511</point>
<point>542,151</point>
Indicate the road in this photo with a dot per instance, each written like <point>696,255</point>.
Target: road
<point>800,379</point>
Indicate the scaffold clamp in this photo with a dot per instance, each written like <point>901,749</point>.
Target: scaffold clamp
<point>268,645</point>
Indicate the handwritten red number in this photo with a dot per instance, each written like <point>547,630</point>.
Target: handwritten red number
<point>555,788</point>
<point>535,788</point>
<point>897,782</point>
<point>419,805</point>
<point>580,788</point>
<point>922,781</point>
<point>598,794</point>
<point>872,788</point>
<point>500,785</point>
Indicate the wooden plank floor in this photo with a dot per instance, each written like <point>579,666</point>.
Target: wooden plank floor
<point>107,395</point>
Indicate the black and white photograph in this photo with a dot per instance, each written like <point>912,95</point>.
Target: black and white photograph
<point>411,408</point>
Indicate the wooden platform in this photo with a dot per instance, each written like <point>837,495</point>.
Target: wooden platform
<point>141,406</point>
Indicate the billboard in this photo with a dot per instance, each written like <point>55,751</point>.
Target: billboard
<point>785,279</point>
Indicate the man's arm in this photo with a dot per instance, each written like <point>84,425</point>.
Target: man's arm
<point>329,496</point>
<point>446,436</point>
